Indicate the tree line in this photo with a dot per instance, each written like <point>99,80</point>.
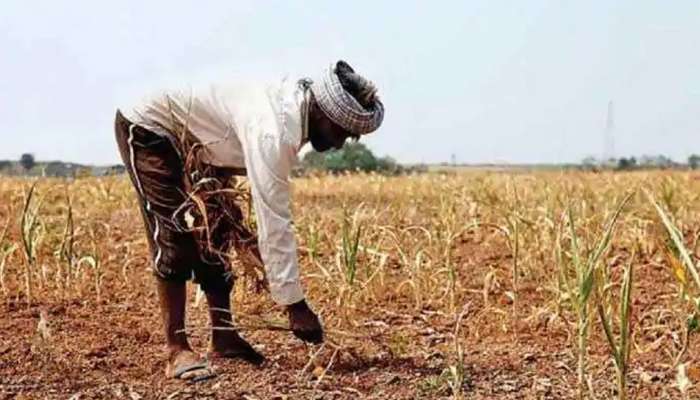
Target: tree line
<point>27,165</point>
<point>353,157</point>
<point>643,162</point>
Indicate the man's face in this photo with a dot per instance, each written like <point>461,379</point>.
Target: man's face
<point>325,135</point>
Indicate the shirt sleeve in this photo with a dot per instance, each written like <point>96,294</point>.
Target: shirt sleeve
<point>269,161</point>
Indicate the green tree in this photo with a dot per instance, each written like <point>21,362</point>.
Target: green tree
<point>626,163</point>
<point>352,157</point>
<point>27,161</point>
<point>694,161</point>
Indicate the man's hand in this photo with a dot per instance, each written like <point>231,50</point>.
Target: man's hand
<point>304,323</point>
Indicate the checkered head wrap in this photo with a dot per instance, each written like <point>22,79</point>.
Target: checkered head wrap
<point>358,116</point>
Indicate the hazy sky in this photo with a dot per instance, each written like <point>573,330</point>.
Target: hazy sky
<point>519,81</point>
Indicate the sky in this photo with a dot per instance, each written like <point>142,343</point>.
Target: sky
<point>487,81</point>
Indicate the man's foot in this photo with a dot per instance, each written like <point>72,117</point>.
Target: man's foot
<point>188,366</point>
<point>228,344</point>
<point>304,323</point>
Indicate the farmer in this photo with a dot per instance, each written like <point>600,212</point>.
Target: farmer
<point>183,149</point>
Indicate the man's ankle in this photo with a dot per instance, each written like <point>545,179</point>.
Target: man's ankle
<point>177,348</point>
<point>222,337</point>
<point>298,306</point>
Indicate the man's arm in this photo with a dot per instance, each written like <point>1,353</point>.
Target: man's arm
<point>269,162</point>
<point>267,171</point>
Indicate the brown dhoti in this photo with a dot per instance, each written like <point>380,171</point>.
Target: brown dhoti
<point>189,236</point>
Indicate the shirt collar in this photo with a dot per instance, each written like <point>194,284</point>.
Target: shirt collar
<point>289,104</point>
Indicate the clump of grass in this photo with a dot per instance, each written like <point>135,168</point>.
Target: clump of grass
<point>682,264</point>
<point>6,249</point>
<point>677,239</point>
<point>66,251</point>
<point>456,372</point>
<point>350,242</point>
<point>620,348</point>
<point>313,242</point>
<point>583,265</point>
<point>513,236</point>
<point>31,236</point>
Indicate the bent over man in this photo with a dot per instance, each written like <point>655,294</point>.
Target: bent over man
<point>183,149</point>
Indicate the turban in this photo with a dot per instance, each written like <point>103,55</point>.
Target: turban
<point>359,114</point>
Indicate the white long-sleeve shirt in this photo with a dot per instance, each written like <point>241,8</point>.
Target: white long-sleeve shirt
<point>253,127</point>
